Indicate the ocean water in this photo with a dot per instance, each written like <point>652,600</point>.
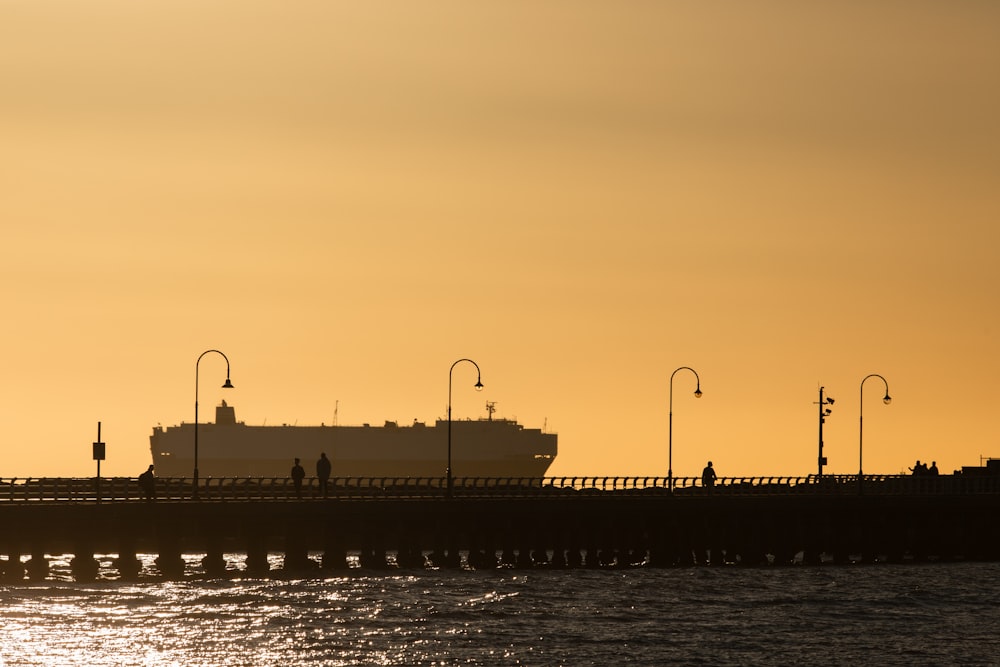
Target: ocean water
<point>923,614</point>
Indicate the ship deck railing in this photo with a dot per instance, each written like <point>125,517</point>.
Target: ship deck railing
<point>123,489</point>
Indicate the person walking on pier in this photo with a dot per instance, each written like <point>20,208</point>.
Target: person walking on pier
<point>708,477</point>
<point>298,474</point>
<point>323,473</point>
<point>147,483</point>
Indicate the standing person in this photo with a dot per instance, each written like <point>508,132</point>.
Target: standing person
<point>323,472</point>
<point>147,482</point>
<point>708,477</point>
<point>298,474</point>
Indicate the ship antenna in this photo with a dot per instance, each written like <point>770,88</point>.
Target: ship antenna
<point>336,408</point>
<point>491,407</point>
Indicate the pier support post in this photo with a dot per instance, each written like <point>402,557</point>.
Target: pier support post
<point>408,553</point>
<point>372,555</point>
<point>13,568</point>
<point>524,555</point>
<point>256,562</point>
<point>481,555</point>
<point>508,557</point>
<point>296,553</point>
<point>453,557</point>
<point>591,559</point>
<point>38,565</point>
<point>662,547</point>
<point>574,557</point>
<point>334,552</point>
<point>127,563</point>
<point>170,563</point>
<point>409,556</point>
<point>84,565</point>
<point>214,563</point>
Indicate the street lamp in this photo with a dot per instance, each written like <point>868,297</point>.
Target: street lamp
<point>479,387</point>
<point>670,429</point>
<point>227,385</point>
<point>861,419</point>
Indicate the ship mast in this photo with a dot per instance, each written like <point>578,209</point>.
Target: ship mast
<point>491,407</point>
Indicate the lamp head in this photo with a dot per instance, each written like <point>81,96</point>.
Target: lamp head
<point>887,400</point>
<point>479,385</point>
<point>829,400</point>
<point>228,385</point>
<point>697,391</point>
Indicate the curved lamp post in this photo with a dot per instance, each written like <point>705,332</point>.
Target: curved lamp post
<point>670,431</point>
<point>227,385</point>
<point>861,418</point>
<point>479,387</point>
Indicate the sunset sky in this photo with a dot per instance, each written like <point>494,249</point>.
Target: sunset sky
<point>347,197</point>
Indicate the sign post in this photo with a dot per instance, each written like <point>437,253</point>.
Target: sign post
<point>98,456</point>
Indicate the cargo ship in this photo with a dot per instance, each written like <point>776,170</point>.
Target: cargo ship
<point>484,447</point>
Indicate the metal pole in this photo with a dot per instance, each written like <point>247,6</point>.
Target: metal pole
<point>670,440</point>
<point>194,491</point>
<point>98,463</point>
<point>227,385</point>
<point>861,430</point>
<point>821,420</point>
<point>670,423</point>
<point>447,470</point>
<point>861,419</point>
<point>478,386</point>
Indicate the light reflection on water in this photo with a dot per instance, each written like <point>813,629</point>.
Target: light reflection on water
<point>905,614</point>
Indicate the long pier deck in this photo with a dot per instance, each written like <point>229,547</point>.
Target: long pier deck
<point>486,523</point>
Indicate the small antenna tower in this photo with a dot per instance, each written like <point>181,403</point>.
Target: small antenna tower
<point>491,407</point>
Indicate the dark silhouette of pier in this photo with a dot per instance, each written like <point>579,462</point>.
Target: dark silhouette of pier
<point>567,522</point>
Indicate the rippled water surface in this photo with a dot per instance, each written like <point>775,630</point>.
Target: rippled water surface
<point>881,614</point>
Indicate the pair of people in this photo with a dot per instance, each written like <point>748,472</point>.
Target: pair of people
<point>323,468</point>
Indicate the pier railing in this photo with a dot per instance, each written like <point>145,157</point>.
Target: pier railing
<point>122,489</point>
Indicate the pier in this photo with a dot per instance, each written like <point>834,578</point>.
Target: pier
<point>567,522</point>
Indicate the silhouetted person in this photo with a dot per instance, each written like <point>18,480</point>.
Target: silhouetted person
<point>918,468</point>
<point>323,472</point>
<point>147,483</point>
<point>708,477</point>
<point>933,470</point>
<point>298,474</point>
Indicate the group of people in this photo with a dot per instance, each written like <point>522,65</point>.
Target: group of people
<point>147,480</point>
<point>922,469</point>
<point>323,468</point>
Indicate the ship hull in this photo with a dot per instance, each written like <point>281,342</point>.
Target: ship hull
<point>481,448</point>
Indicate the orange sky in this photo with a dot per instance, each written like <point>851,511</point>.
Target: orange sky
<point>347,197</point>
